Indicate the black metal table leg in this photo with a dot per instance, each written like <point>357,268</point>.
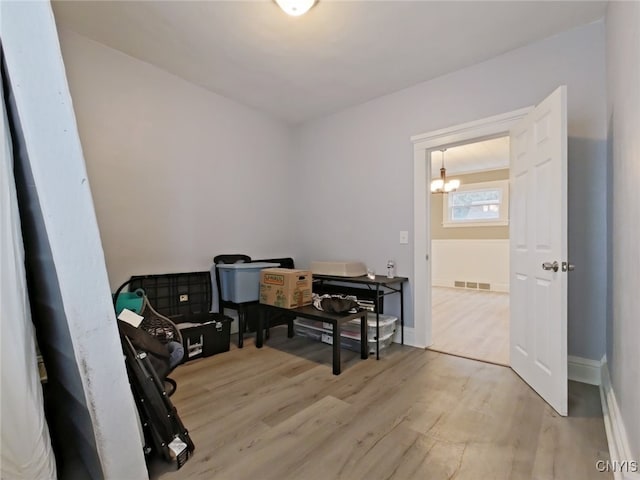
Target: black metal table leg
<point>336,348</point>
<point>377,321</point>
<point>401,313</point>
<point>260,328</point>
<point>267,325</point>
<point>364,341</point>
<point>290,330</point>
<point>241,326</point>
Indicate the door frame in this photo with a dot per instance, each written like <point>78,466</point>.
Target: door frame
<point>423,145</point>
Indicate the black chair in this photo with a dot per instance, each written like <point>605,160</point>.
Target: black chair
<point>241,308</point>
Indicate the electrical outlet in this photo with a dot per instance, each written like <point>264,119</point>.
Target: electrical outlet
<point>184,297</point>
<point>404,237</point>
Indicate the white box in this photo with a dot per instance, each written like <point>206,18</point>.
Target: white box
<point>339,269</point>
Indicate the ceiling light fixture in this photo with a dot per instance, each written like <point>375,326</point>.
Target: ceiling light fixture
<point>442,185</point>
<point>295,8</point>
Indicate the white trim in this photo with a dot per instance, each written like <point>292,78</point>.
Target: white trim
<point>409,337</point>
<point>617,439</point>
<point>584,370</point>
<point>480,223</point>
<point>421,247</point>
<point>485,127</point>
<point>422,145</point>
<point>456,173</point>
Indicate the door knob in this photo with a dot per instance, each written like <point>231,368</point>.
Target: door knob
<point>568,267</point>
<point>551,266</point>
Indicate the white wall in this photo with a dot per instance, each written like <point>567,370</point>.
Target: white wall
<point>178,174</point>
<point>470,260</point>
<point>623,332</point>
<point>354,168</point>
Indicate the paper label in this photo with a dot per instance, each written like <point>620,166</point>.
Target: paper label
<point>130,317</point>
<point>177,446</point>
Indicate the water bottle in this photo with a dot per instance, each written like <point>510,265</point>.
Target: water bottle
<point>391,267</point>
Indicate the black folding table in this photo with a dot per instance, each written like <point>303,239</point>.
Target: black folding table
<point>312,313</point>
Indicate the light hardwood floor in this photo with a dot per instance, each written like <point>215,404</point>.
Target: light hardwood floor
<point>471,323</point>
<point>279,413</point>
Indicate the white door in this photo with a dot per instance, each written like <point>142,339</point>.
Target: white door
<point>538,233</point>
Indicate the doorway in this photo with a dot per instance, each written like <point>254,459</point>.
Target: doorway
<point>470,251</point>
<point>538,253</point>
<point>423,145</point>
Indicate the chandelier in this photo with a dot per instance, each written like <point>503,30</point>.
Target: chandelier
<point>442,185</point>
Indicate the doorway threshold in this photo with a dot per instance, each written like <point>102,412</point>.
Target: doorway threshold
<point>469,357</point>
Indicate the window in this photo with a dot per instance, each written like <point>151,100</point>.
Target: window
<point>477,205</point>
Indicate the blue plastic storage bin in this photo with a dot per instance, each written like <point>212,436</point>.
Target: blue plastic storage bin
<point>240,282</point>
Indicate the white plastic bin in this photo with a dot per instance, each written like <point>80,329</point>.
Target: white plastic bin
<point>388,325</point>
<point>240,282</point>
<point>348,340</point>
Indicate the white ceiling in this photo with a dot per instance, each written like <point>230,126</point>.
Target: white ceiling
<point>473,157</point>
<point>339,54</point>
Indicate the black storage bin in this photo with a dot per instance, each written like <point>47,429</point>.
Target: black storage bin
<point>206,337</point>
<point>186,299</point>
<point>176,293</point>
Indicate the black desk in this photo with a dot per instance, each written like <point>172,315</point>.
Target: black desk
<point>312,313</point>
<point>383,286</point>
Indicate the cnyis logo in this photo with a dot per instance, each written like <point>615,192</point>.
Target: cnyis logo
<point>272,279</point>
<point>625,466</point>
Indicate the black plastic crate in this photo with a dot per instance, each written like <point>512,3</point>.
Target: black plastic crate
<point>206,335</point>
<point>186,299</point>
<point>176,293</point>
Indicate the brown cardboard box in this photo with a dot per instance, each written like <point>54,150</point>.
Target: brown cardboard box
<point>285,287</point>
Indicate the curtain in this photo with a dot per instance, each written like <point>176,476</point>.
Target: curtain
<point>25,451</point>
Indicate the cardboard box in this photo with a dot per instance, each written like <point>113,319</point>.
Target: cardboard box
<point>285,287</point>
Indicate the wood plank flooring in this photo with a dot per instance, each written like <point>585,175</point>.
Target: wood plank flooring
<point>471,323</point>
<point>279,413</point>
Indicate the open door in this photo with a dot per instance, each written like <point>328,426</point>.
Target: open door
<point>538,232</point>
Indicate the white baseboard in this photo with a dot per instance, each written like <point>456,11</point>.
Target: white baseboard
<point>619,449</point>
<point>409,336</point>
<point>584,370</point>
